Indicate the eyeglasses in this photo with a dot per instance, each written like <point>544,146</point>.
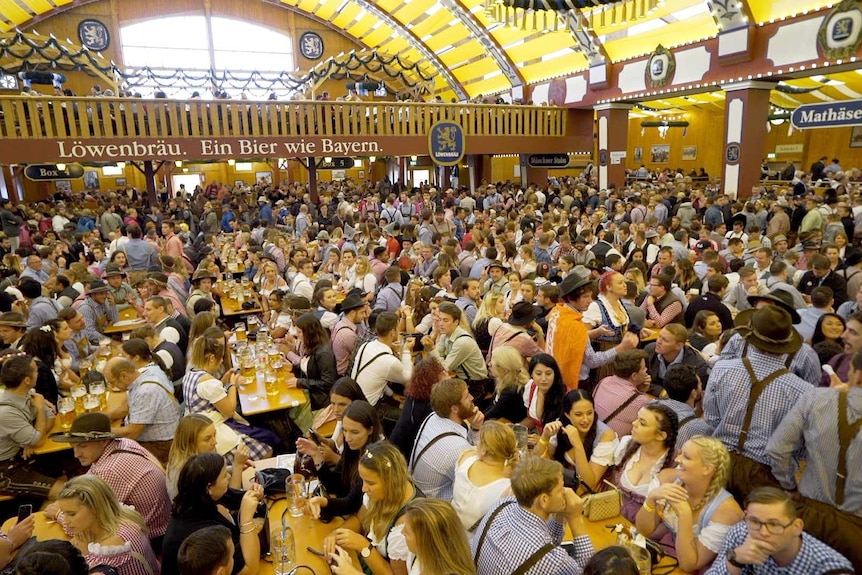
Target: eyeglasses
<point>774,528</point>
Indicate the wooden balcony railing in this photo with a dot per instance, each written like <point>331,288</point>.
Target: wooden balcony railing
<point>23,117</point>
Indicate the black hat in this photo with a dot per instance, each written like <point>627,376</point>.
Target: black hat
<point>351,302</point>
<point>498,264</point>
<point>87,427</point>
<point>572,283</point>
<point>97,286</point>
<point>523,313</point>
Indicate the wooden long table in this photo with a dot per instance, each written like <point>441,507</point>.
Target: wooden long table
<point>115,401</point>
<point>128,321</point>
<point>254,400</point>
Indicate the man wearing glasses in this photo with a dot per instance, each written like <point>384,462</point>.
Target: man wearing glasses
<point>770,539</point>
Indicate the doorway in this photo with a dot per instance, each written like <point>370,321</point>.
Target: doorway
<point>191,181</point>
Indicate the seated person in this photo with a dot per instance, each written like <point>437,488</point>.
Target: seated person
<point>130,470</point>
<point>579,440</point>
<point>106,532</point>
<point>770,539</point>
<point>207,551</point>
<point>25,421</point>
<point>619,397</point>
<point>98,311</point>
<point>510,376</point>
<point>361,428</point>
<point>152,411</point>
<point>688,510</point>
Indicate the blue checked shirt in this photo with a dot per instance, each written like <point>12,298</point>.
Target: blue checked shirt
<point>515,534</point>
<point>726,399</point>
<point>814,558</point>
<point>810,430</point>
<point>695,426</point>
<point>434,472</point>
<point>805,363</point>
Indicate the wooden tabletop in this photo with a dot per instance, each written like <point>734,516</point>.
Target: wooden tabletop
<point>254,400</point>
<point>43,530</point>
<point>231,307</point>
<point>307,532</point>
<point>115,401</point>
<point>601,535</point>
<point>125,315</point>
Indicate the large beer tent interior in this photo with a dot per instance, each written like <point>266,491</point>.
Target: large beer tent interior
<point>578,58</point>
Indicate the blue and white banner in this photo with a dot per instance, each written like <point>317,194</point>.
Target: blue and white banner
<point>831,115</point>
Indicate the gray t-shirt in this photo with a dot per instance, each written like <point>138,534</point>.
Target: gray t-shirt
<point>17,415</point>
<point>152,403</point>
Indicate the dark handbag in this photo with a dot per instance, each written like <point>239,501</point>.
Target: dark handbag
<point>273,480</point>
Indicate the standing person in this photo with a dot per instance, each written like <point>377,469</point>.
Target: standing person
<point>315,369</point>
<point>819,429</point>
<point>609,313</point>
<point>103,530</point>
<point>539,512</point>
<point>514,333</point>
<point>11,224</point>
<point>568,337</point>
<point>442,437</point>
<point>747,398</point>
<point>661,305</point>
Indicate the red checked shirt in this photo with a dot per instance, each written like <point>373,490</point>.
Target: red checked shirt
<point>138,481</point>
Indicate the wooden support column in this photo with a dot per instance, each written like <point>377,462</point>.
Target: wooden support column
<point>613,128</point>
<point>746,114</point>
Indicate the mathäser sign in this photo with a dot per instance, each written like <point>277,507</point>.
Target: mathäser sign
<point>831,115</point>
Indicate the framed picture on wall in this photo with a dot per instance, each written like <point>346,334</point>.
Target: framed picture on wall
<point>361,174</point>
<point>121,181</point>
<point>689,152</point>
<point>639,155</point>
<point>63,185</point>
<point>263,178</point>
<point>91,180</point>
<point>660,154</point>
<point>856,137</point>
<point>239,184</point>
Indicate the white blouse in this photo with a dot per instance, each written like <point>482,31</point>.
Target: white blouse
<point>643,488</point>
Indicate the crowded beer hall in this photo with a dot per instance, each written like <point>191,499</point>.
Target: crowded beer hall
<point>453,287</point>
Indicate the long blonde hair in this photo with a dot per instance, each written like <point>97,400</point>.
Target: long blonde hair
<point>186,440</point>
<point>389,464</point>
<point>714,453</point>
<point>208,343</point>
<point>93,493</point>
<point>508,369</point>
<point>441,542</point>
<point>488,308</point>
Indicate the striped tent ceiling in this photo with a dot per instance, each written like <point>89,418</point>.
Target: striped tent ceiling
<point>475,54</point>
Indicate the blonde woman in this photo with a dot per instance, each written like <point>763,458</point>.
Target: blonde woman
<point>218,399</point>
<point>437,544</point>
<point>105,532</point>
<point>688,509</point>
<point>482,473</point>
<point>510,377</point>
<point>270,281</point>
<point>364,278</point>
<point>374,531</point>
<point>488,319</point>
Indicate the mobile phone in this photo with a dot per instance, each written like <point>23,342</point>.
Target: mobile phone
<point>24,511</point>
<point>312,435</point>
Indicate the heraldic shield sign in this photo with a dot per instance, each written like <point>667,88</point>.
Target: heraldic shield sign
<point>840,33</point>
<point>660,68</point>
<point>446,143</point>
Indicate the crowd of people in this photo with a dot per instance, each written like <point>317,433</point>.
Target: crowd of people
<point>701,355</point>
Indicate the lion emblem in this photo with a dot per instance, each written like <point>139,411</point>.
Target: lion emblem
<point>446,139</point>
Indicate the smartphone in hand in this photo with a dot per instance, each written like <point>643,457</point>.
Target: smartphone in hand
<point>24,511</point>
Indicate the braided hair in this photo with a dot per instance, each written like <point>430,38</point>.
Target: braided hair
<point>714,453</point>
<point>668,422</point>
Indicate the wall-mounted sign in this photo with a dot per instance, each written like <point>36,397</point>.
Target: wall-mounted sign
<point>617,157</point>
<point>446,143</point>
<point>49,172</point>
<point>311,45</point>
<point>336,164</point>
<point>789,148</point>
<point>548,160</point>
<point>660,68</point>
<point>828,115</point>
<point>840,33</point>
<point>94,35</point>
<point>732,153</point>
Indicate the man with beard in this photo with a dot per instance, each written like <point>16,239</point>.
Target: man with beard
<point>442,438</point>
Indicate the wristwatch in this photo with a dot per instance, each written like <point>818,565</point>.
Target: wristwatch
<point>366,553</point>
<point>731,558</point>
